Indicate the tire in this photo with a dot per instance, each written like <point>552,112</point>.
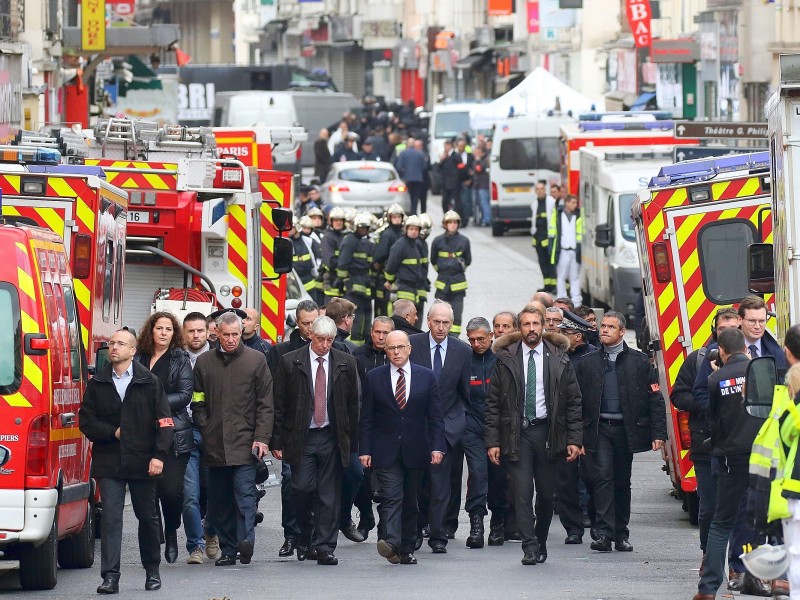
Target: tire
<point>693,507</point>
<point>498,230</point>
<point>38,566</point>
<point>77,551</point>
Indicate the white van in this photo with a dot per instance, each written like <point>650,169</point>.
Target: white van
<point>610,178</point>
<point>448,120</point>
<point>312,110</point>
<point>525,149</point>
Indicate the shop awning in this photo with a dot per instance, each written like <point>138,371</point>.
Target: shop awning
<point>475,59</point>
<point>645,99</point>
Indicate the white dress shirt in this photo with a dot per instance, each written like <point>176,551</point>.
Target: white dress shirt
<point>393,372</point>
<point>538,358</point>
<point>326,365</point>
<point>442,352</point>
<point>569,237</point>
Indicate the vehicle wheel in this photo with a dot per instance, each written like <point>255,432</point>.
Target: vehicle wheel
<point>693,507</point>
<point>38,566</point>
<point>77,551</point>
<point>498,230</point>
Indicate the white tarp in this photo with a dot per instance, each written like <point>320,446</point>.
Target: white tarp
<point>536,94</point>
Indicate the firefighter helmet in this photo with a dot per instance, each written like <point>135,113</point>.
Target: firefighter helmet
<point>336,213</point>
<point>395,209</point>
<point>451,215</point>
<point>315,212</point>
<point>363,219</point>
<point>306,222</point>
<point>412,221</point>
<point>352,136</point>
<point>766,561</point>
<point>349,215</point>
<point>427,225</point>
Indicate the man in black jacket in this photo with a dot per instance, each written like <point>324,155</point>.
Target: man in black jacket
<point>450,168</point>
<point>533,418</point>
<point>126,414</point>
<point>404,316</point>
<point>623,413</point>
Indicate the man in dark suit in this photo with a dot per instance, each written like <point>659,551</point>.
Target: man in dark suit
<point>450,360</point>
<point>401,402</point>
<point>316,419</point>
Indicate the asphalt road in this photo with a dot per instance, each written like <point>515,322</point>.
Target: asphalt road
<point>663,564</point>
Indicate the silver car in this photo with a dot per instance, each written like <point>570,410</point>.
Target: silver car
<point>365,185</point>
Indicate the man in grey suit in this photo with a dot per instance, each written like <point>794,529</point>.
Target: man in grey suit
<point>450,361</point>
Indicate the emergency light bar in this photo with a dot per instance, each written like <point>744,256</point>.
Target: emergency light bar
<point>29,155</point>
<point>706,168</point>
<point>615,115</point>
<point>645,155</point>
<point>626,125</point>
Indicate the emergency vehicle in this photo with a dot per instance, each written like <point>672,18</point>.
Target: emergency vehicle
<point>694,225</point>
<point>46,494</point>
<point>646,128</point>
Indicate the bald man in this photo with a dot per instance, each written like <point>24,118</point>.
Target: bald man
<point>250,335</point>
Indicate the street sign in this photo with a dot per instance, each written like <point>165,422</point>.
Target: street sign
<point>682,153</point>
<point>709,130</point>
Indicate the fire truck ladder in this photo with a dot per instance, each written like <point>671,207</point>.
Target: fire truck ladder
<point>140,139</point>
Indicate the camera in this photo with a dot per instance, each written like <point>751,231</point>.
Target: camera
<point>713,356</point>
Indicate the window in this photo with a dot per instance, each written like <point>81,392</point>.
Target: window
<point>625,219</point>
<point>452,124</point>
<point>108,280</point>
<point>120,263</point>
<point>520,154</point>
<point>723,252</point>
<point>63,328</point>
<point>10,340</point>
<point>74,334</point>
<point>56,347</point>
<point>367,175</point>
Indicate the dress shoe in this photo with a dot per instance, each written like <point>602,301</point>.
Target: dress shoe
<point>780,587</point>
<point>110,585</point>
<point>529,558</point>
<point>755,587</point>
<point>438,548</point>
<point>304,552</point>
<point>171,546</point>
<point>451,532</point>
<point>623,545</point>
<point>327,558</point>
<point>593,533</point>
<point>541,554</point>
<point>351,533</point>
<point>496,537</point>
<point>426,531</point>
<point>699,596</point>
<point>735,581</point>
<point>288,547</point>
<point>513,537</point>
<point>475,539</point>
<point>153,580</point>
<point>225,561</point>
<point>245,552</point>
<point>602,544</point>
<point>573,538</point>
<point>407,559</point>
<point>388,551</point>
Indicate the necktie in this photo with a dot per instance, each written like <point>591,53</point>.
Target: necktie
<point>400,389</point>
<point>437,361</point>
<point>753,351</point>
<point>530,389</point>
<point>320,396</point>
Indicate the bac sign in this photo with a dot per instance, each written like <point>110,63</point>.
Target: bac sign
<point>93,25</point>
<point>639,14</point>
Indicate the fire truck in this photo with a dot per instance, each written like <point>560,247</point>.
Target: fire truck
<point>201,234</point>
<point>62,239</point>
<point>694,225</point>
<point>646,128</point>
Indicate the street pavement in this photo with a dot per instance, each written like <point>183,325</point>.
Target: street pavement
<point>663,564</point>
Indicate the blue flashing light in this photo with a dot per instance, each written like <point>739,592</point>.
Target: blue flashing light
<point>658,115</point>
<point>29,155</point>
<point>626,125</point>
<point>707,168</point>
<point>69,170</point>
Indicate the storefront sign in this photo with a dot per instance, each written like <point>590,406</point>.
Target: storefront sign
<point>639,14</point>
<point>533,16</point>
<point>675,51</point>
<point>499,8</point>
<point>93,25</point>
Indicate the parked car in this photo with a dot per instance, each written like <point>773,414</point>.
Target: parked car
<point>366,185</point>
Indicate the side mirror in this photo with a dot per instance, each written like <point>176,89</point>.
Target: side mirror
<point>101,359</point>
<point>282,218</point>
<point>282,256</point>
<point>604,236</point>
<point>759,386</point>
<point>762,269</point>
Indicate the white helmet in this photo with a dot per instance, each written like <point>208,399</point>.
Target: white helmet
<point>363,219</point>
<point>766,562</point>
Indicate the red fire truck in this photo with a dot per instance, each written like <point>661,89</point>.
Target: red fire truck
<point>694,225</point>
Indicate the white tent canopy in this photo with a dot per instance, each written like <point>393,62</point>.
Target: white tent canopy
<point>536,94</point>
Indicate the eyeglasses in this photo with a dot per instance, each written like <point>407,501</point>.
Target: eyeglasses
<point>112,343</point>
<point>754,322</point>
<point>396,348</point>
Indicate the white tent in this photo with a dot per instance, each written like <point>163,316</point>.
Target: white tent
<point>536,94</point>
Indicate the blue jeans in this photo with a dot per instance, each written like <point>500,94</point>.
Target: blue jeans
<point>482,198</point>
<point>707,494</point>
<point>192,519</point>
<point>351,481</point>
<point>232,501</point>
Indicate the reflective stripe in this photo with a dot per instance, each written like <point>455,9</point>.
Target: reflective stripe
<point>760,471</point>
<point>455,329</point>
<point>440,285</point>
<point>407,295</point>
<point>360,255</point>
<point>199,397</point>
<point>303,258</point>
<point>310,285</point>
<point>458,287</point>
<point>450,254</point>
<point>791,485</point>
<point>340,273</point>
<point>362,289</point>
<point>410,261</point>
<point>389,277</point>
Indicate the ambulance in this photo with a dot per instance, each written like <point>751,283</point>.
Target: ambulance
<point>694,226</point>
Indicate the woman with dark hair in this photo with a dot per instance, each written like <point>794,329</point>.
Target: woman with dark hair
<point>160,349</point>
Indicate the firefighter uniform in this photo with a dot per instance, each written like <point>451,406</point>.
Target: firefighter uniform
<point>354,270</point>
<point>542,208</point>
<point>388,236</point>
<point>425,285</point>
<point>565,256</point>
<point>303,263</point>
<point>331,244</point>
<point>450,257</point>
<point>404,269</point>
<point>312,242</point>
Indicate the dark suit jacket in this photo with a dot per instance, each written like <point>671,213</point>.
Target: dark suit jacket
<point>413,432</point>
<point>294,402</point>
<point>453,382</point>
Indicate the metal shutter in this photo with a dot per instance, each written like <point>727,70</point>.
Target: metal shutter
<point>141,283</point>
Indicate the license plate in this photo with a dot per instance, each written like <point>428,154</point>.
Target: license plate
<point>138,216</point>
<point>518,189</point>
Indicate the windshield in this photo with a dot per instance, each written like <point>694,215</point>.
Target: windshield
<point>625,220</point>
<point>10,340</point>
<point>451,124</point>
<point>367,175</point>
<point>520,154</point>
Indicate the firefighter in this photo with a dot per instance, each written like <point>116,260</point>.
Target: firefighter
<point>304,259</point>
<point>450,257</point>
<point>347,150</point>
<point>542,207</point>
<point>425,285</point>
<point>565,234</point>
<point>355,261</point>
<point>331,243</point>
<point>404,268</point>
<point>317,217</point>
<point>388,236</point>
